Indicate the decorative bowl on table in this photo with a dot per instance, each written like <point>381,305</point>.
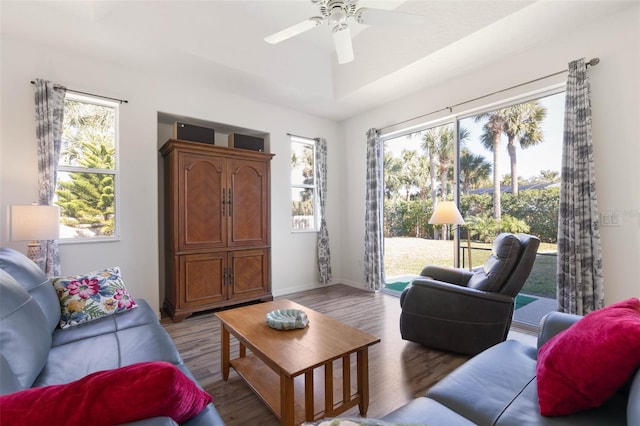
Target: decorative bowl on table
<point>287,319</point>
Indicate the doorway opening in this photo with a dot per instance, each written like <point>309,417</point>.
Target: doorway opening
<point>502,167</point>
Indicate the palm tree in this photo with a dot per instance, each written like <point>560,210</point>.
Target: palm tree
<point>423,177</point>
<point>429,145</point>
<point>549,176</point>
<point>523,126</point>
<point>409,171</point>
<point>474,169</point>
<point>392,171</point>
<point>438,144</point>
<point>490,138</point>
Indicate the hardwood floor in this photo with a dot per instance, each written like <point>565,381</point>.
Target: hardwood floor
<point>398,370</point>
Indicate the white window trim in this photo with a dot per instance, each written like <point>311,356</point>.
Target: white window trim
<point>316,207</point>
<point>114,172</point>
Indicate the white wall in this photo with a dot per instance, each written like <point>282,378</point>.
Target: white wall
<point>148,91</point>
<point>615,93</point>
<point>616,126</point>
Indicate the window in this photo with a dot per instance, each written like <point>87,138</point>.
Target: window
<point>502,164</point>
<point>303,186</point>
<point>86,187</point>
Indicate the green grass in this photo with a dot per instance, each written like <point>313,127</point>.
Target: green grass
<point>405,255</point>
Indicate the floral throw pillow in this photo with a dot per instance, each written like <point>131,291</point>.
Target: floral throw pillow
<point>91,296</point>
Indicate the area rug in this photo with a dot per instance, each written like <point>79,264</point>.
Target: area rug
<point>397,285</point>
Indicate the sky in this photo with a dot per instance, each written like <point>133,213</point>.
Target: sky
<point>544,156</point>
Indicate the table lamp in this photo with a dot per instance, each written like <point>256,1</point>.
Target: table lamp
<point>35,223</point>
<point>447,213</point>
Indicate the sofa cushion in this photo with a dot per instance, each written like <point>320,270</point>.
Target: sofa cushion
<point>524,410</point>
<point>33,279</point>
<point>426,410</point>
<point>88,297</point>
<point>72,361</point>
<point>586,364</point>
<point>8,380</point>
<point>481,388</point>
<point>150,389</point>
<point>25,337</point>
<point>142,315</point>
<point>504,255</point>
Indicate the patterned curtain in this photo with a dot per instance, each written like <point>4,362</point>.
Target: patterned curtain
<point>580,283</point>
<point>324,255</point>
<point>373,221</point>
<point>49,114</point>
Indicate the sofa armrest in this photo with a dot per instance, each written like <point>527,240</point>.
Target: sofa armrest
<point>447,275</point>
<point>553,323</point>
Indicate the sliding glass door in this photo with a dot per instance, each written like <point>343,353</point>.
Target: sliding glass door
<point>502,166</point>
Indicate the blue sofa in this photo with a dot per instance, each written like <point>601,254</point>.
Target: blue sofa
<point>498,387</point>
<point>35,351</point>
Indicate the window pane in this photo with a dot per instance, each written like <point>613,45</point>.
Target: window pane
<point>301,163</point>
<point>88,135</point>
<point>87,204</point>
<point>302,208</point>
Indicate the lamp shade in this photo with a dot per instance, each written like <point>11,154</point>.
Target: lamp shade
<point>446,213</point>
<point>33,223</point>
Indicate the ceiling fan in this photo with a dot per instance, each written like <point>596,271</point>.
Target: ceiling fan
<point>337,13</point>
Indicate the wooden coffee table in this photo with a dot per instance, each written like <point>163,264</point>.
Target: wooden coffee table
<point>293,370</point>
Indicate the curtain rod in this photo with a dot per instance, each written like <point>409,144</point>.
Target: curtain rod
<point>593,62</point>
<point>303,137</point>
<point>122,101</point>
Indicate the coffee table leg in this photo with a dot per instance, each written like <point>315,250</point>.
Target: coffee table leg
<point>309,409</point>
<point>286,401</point>
<point>224,352</point>
<point>363,380</point>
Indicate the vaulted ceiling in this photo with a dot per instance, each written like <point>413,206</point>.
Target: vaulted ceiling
<point>221,43</point>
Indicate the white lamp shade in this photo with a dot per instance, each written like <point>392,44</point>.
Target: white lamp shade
<point>446,213</point>
<point>33,223</point>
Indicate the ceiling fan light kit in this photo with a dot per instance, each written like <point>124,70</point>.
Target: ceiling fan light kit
<point>337,13</point>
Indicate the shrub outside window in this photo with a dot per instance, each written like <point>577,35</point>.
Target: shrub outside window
<point>86,186</point>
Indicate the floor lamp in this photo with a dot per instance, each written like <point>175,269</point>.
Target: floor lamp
<point>35,223</point>
<point>447,213</point>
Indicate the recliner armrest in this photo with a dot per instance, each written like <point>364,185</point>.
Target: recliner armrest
<point>441,299</point>
<point>553,323</point>
<point>447,275</point>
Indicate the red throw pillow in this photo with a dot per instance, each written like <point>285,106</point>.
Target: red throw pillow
<point>583,366</point>
<point>127,394</point>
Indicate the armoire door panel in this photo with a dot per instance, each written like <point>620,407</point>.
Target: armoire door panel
<point>202,278</point>
<point>250,273</point>
<point>201,220</point>
<point>249,196</point>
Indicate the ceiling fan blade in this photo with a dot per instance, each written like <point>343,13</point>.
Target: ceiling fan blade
<point>342,41</point>
<point>394,18</point>
<point>293,30</point>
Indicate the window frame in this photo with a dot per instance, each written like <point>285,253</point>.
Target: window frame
<point>314,187</point>
<point>456,118</point>
<point>114,172</point>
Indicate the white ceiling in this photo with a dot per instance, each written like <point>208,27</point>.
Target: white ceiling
<point>220,43</point>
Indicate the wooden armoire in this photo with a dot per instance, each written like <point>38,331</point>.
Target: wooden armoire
<point>217,227</point>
